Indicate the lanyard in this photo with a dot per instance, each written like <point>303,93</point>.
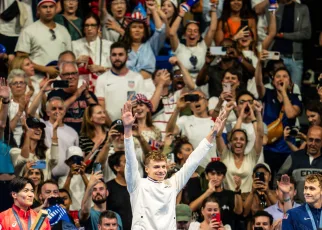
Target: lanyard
<point>312,219</point>
<point>19,222</point>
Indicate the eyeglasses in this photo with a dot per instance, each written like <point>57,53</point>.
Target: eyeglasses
<point>72,74</point>
<point>118,2</point>
<point>90,25</point>
<point>22,83</point>
<point>177,75</point>
<point>318,141</point>
<point>241,102</point>
<point>53,35</point>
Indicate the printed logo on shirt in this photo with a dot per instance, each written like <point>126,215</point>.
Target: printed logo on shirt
<point>14,224</point>
<point>305,218</point>
<point>131,84</point>
<point>285,217</point>
<point>225,207</point>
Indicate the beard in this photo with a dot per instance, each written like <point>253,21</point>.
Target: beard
<point>99,201</point>
<point>118,67</point>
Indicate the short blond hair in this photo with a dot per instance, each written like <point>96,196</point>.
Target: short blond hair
<point>312,178</point>
<point>156,156</point>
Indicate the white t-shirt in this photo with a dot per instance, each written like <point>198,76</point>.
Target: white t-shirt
<point>196,226</point>
<point>13,27</point>
<point>37,41</point>
<point>67,137</point>
<point>17,132</point>
<point>117,89</point>
<point>196,129</point>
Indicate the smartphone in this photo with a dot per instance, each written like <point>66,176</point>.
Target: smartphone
<point>61,84</point>
<point>191,97</point>
<point>273,55</point>
<point>243,23</point>
<point>171,158</point>
<point>258,228</point>
<point>226,87</point>
<point>97,167</point>
<point>55,200</point>
<point>218,50</point>
<point>77,160</point>
<point>260,176</point>
<point>285,179</point>
<point>41,164</point>
<point>294,131</point>
<point>216,217</point>
<point>119,128</point>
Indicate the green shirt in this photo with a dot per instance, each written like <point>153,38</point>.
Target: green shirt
<point>71,30</point>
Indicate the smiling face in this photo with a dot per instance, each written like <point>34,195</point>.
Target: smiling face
<point>238,142</point>
<point>98,115</point>
<point>141,111</point>
<point>185,151</point>
<point>168,9</point>
<point>70,6</point>
<point>70,73</point>
<point>137,31</point>
<point>314,141</point>
<point>36,134</point>
<point>236,5</point>
<point>313,117</point>
<point>25,197</point>
<point>118,9</point>
<point>230,78</point>
<point>245,42</point>
<point>192,34</point>
<point>312,192</point>
<point>210,209</point>
<point>156,170</point>
<point>35,176</point>
<point>18,86</point>
<point>281,78</point>
<point>28,67</point>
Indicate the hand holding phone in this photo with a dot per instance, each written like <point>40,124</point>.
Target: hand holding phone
<point>61,84</point>
<point>226,87</point>
<point>97,167</point>
<point>41,164</point>
<point>260,176</point>
<point>191,97</point>
<point>216,217</point>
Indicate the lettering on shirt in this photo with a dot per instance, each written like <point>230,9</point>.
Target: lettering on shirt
<point>304,173</point>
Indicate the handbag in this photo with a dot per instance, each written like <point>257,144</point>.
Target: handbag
<point>11,12</point>
<point>275,129</point>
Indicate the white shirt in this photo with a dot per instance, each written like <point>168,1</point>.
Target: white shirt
<point>67,137</point>
<point>153,202</point>
<point>195,128</point>
<point>116,90</point>
<point>36,40</point>
<point>17,132</point>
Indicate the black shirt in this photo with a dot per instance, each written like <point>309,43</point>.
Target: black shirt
<point>75,112</point>
<point>118,200</point>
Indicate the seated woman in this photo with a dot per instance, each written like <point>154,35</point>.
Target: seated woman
<point>22,192</point>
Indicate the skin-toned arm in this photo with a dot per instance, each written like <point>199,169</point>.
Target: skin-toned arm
<point>187,79</point>
<point>219,37</point>
<point>4,95</point>
<point>173,32</point>
<point>212,28</point>
<point>196,204</point>
<point>171,126</point>
<point>221,145</point>
<point>260,7</point>
<point>16,118</point>
<point>259,80</point>
<point>238,209</point>
<point>291,111</point>
<point>146,148</point>
<point>259,127</point>
<point>156,17</point>
<point>271,31</point>
<point>163,79</point>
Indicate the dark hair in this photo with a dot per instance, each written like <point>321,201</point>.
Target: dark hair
<point>92,15</point>
<point>63,8</point>
<point>209,199</point>
<point>115,160</point>
<point>271,63</point>
<point>42,176</point>
<point>263,213</point>
<point>231,134</point>
<point>244,92</point>
<point>109,7</point>
<point>244,13</point>
<point>292,181</point>
<point>107,214</point>
<point>189,23</point>
<point>119,44</point>
<point>314,106</point>
<point>50,181</point>
<point>178,143</point>
<point>127,35</point>
<point>65,191</point>
<point>216,166</point>
<point>232,71</point>
<point>175,13</point>
<point>66,52</point>
<point>18,183</point>
<point>282,69</point>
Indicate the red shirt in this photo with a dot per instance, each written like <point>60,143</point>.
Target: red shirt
<point>8,220</point>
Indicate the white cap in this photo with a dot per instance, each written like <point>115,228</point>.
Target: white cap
<point>74,151</point>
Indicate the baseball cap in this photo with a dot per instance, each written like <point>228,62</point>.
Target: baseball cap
<point>216,166</point>
<point>183,212</point>
<point>73,154</point>
<point>33,122</point>
<point>118,125</point>
<point>45,1</point>
<point>262,165</point>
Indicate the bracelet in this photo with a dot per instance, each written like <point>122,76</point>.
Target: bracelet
<point>253,121</point>
<point>286,200</point>
<point>5,102</point>
<point>238,192</point>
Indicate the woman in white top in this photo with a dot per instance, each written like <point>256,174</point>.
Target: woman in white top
<point>34,149</point>
<point>210,211</point>
<point>240,164</point>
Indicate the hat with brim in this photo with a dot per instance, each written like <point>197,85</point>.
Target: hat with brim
<point>262,165</point>
<point>45,1</point>
<point>33,122</point>
<point>74,152</point>
<point>183,213</point>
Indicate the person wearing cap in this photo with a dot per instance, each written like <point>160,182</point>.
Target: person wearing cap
<point>260,197</point>
<point>183,216</point>
<point>33,150</point>
<point>118,84</point>
<point>230,202</point>
<point>153,199</point>
<point>46,48</point>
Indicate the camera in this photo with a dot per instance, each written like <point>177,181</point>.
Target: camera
<point>294,131</point>
<point>55,200</point>
<point>191,97</point>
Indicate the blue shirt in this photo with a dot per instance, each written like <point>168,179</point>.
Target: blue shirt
<point>272,108</point>
<point>6,166</point>
<point>276,212</point>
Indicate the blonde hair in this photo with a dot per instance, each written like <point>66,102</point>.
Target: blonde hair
<point>17,62</point>
<point>312,178</point>
<point>156,156</point>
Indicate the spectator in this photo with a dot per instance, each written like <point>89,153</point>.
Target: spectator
<point>37,177</point>
<point>234,12</point>
<point>147,191</point>
<point>118,199</point>
<point>285,194</point>
<point>34,149</point>
<point>313,113</point>
<point>117,85</point>
<point>183,216</point>
<point>281,109</point>
<point>93,136</point>
<point>260,197</point>
<point>69,19</point>
<point>76,99</point>
<point>209,207</point>
<point>305,161</point>
<point>262,219</point>
<point>144,49</point>
<point>195,125</point>
<point>89,216</point>
<point>18,105</point>
<point>238,162</point>
<point>22,191</point>
<point>92,51</point>
<point>192,53</point>
<point>297,218</point>
<point>65,195</point>
<point>45,49</point>
<point>291,34</point>
<point>108,221</point>
<point>230,202</point>
<point>114,19</point>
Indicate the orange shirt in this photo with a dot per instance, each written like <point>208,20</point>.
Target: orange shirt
<point>8,220</point>
<point>231,28</point>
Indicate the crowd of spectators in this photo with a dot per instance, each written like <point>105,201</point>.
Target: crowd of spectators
<point>67,67</point>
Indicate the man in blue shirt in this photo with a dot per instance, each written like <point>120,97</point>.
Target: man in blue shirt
<point>308,215</point>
